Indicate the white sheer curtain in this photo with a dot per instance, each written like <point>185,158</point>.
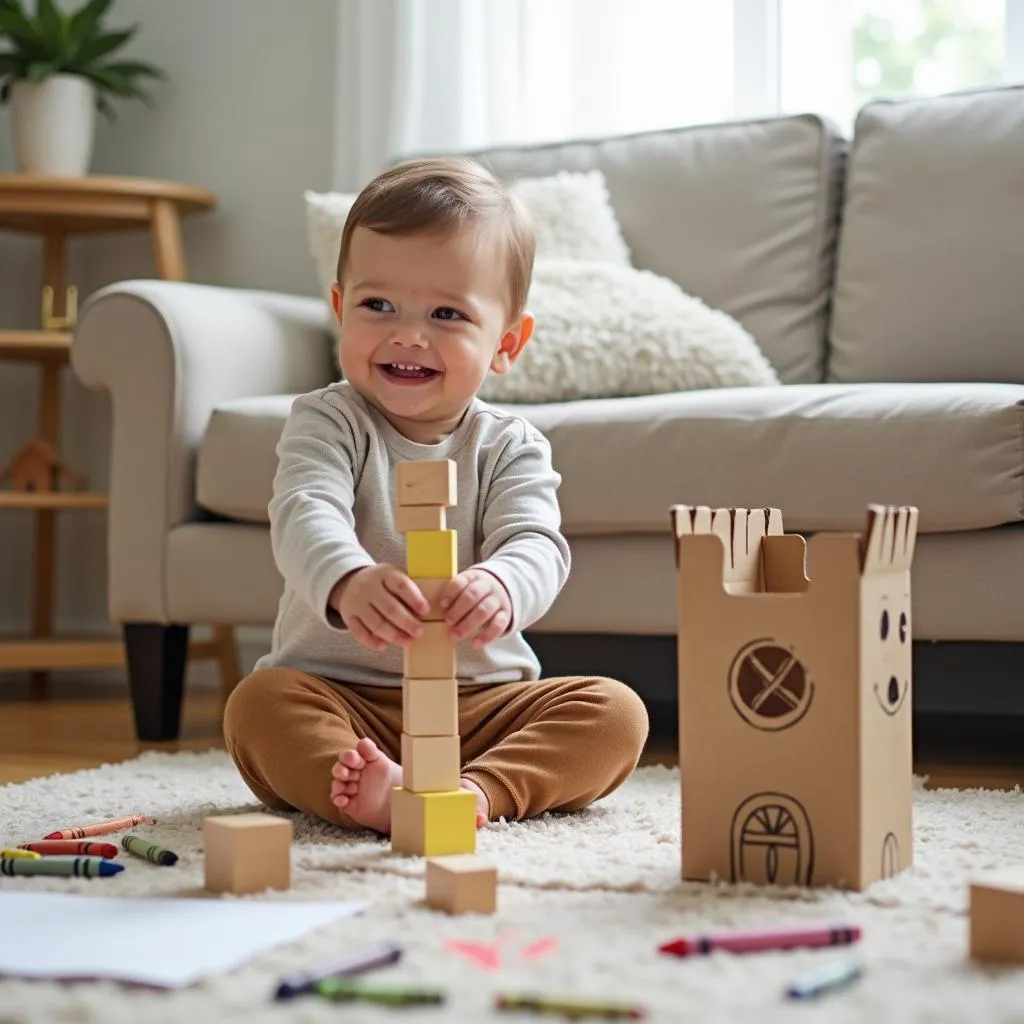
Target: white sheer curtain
<point>420,76</point>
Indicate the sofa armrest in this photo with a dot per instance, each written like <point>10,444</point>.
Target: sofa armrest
<point>167,353</point>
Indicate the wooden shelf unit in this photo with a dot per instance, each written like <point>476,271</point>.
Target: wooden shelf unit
<point>55,209</point>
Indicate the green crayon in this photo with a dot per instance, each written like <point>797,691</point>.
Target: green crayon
<point>72,867</point>
<point>148,851</point>
<point>342,989</point>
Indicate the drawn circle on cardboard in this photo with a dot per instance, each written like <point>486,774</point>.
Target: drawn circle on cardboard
<point>769,686</point>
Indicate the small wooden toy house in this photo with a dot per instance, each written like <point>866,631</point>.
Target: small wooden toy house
<point>38,467</point>
<point>794,698</point>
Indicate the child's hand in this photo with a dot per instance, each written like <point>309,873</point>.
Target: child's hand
<point>477,607</point>
<point>380,605</point>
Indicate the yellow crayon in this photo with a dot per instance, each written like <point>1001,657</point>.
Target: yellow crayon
<point>24,854</point>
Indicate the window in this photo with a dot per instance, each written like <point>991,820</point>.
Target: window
<point>837,55</point>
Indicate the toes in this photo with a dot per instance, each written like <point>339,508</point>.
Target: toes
<point>340,801</point>
<point>351,759</point>
<point>368,749</point>
<point>343,772</point>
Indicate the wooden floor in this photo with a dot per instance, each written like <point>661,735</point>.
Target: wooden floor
<point>83,727</point>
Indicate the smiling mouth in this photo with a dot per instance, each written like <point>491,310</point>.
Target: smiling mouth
<point>407,372</point>
<point>890,695</point>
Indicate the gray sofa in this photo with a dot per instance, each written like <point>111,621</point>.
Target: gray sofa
<point>882,275</point>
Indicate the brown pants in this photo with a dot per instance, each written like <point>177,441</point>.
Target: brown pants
<point>555,744</point>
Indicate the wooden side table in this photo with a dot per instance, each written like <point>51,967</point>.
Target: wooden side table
<point>56,208</point>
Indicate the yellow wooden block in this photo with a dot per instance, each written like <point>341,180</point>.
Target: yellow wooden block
<point>431,553</point>
<point>426,482</point>
<point>433,824</point>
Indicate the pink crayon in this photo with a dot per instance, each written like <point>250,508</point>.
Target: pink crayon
<point>100,828</point>
<point>742,941</point>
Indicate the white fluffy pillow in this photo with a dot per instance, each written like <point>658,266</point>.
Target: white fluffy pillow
<point>605,330</point>
<point>571,212</point>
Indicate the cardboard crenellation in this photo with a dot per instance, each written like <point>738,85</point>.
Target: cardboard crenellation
<point>429,812</point>
<point>794,697</point>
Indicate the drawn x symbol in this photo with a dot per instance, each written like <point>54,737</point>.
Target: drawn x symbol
<point>773,683</point>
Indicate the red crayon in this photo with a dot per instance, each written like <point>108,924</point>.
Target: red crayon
<point>753,941</point>
<point>65,847</point>
<point>100,828</point>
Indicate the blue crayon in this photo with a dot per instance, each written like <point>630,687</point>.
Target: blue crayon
<point>71,867</point>
<point>824,979</point>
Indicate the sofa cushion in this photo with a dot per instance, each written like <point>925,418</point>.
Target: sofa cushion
<point>741,215</point>
<point>928,276</point>
<point>820,452</point>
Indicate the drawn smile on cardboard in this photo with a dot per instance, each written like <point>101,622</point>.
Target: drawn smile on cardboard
<point>892,693</point>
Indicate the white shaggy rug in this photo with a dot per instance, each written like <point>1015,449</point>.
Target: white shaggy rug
<point>603,884</point>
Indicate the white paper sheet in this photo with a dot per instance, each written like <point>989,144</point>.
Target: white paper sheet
<point>163,942</point>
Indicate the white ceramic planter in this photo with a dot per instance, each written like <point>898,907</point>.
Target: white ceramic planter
<point>54,123</point>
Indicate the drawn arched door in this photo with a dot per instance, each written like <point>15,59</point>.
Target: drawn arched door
<point>772,841</point>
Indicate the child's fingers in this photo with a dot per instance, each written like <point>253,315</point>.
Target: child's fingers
<point>478,616</point>
<point>362,635</point>
<point>493,629</point>
<point>406,592</point>
<point>475,591</point>
<point>384,629</point>
<point>396,614</point>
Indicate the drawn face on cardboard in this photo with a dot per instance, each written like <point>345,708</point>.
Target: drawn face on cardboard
<point>894,655</point>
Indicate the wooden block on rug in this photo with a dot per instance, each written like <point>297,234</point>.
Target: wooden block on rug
<point>430,764</point>
<point>431,655</point>
<point>997,916</point>
<point>426,482</point>
<point>462,884</point>
<point>433,824</point>
<point>430,707</point>
<point>245,853</point>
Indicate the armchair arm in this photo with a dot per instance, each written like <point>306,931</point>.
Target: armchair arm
<point>167,353</point>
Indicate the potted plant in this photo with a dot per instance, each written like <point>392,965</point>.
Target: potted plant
<point>57,71</point>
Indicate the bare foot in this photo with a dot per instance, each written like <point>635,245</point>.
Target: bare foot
<point>361,784</point>
<point>483,805</point>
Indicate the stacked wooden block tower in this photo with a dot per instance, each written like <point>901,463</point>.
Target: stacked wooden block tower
<point>430,814</point>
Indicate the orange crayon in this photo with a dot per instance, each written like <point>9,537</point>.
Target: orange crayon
<point>100,828</point>
<point>72,847</point>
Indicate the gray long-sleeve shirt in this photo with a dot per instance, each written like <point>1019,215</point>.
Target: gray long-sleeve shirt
<point>332,511</point>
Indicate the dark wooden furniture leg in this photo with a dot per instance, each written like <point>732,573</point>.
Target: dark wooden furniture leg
<point>156,677</point>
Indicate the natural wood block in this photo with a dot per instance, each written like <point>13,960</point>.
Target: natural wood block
<point>431,590</point>
<point>430,764</point>
<point>247,853</point>
<point>426,482</point>
<point>431,655</point>
<point>430,707</point>
<point>462,884</point>
<point>431,553</point>
<point>997,916</point>
<point>420,517</point>
<point>433,824</point>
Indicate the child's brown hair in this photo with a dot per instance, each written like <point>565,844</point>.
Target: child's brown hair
<point>442,194</point>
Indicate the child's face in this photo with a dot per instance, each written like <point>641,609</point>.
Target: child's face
<point>423,319</point>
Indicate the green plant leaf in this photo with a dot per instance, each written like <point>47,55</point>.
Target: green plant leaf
<point>5,90</point>
<point>105,107</point>
<point>84,23</point>
<point>110,81</point>
<point>100,45</point>
<point>22,33</point>
<point>134,69</point>
<point>10,64</point>
<point>52,27</point>
<point>43,69</point>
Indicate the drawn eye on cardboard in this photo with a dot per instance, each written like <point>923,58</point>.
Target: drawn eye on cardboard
<point>771,841</point>
<point>892,692</point>
<point>768,685</point>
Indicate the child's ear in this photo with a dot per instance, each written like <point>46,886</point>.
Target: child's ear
<point>513,342</point>
<point>336,300</point>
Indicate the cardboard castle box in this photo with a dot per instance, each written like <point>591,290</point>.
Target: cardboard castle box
<point>794,698</point>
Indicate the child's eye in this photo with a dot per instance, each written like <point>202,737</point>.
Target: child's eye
<point>378,305</point>
<point>447,313</point>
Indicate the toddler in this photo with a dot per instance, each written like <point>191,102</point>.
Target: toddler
<point>433,274</point>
